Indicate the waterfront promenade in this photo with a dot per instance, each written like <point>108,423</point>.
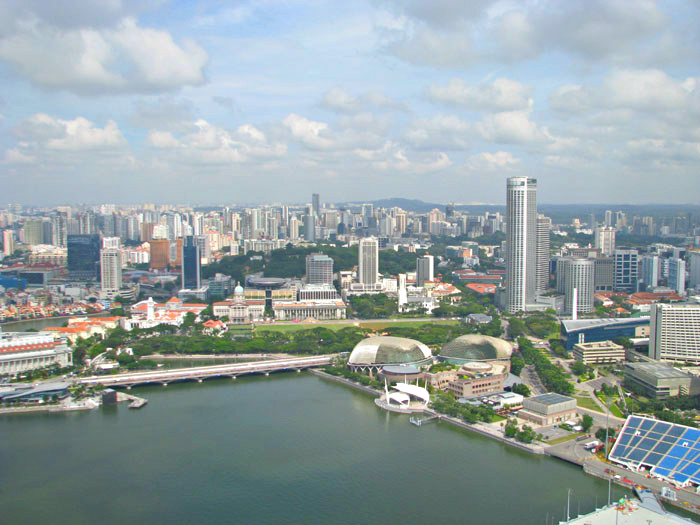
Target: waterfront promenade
<point>200,373</point>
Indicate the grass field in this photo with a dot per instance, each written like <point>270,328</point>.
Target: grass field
<point>564,439</point>
<point>587,402</point>
<point>372,325</point>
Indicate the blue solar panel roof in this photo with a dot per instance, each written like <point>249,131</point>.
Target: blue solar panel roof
<point>670,451</point>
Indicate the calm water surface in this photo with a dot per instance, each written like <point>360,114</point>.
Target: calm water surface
<point>284,449</point>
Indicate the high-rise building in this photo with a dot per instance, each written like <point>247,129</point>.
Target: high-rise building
<point>521,250</point>
<point>293,228</point>
<point>111,242</point>
<point>608,218</point>
<point>650,271</point>
<point>626,270</point>
<point>111,271</point>
<point>84,256</point>
<point>694,277</point>
<point>310,227</point>
<point>674,332</point>
<point>605,239</point>
<point>319,269</point>
<point>316,204</point>
<point>424,269</point>
<point>676,275</point>
<point>191,274</point>
<point>33,231</point>
<point>8,242</point>
<point>368,263</point>
<point>579,284</point>
<point>160,254</point>
<point>604,274</point>
<point>544,225</point>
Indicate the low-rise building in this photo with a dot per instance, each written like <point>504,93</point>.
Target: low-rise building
<point>21,352</point>
<point>599,352</point>
<point>301,310</point>
<point>660,381</point>
<point>548,409</point>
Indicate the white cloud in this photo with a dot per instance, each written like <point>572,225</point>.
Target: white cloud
<point>338,100</point>
<point>121,57</point>
<point>392,157</point>
<point>500,95</point>
<point>14,156</point>
<point>78,134</point>
<point>208,144</point>
<point>510,127</point>
<point>493,162</point>
<point>308,132</point>
<point>440,132</point>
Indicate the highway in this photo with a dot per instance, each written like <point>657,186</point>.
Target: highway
<point>200,373</point>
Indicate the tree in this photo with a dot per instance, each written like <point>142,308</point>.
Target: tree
<point>586,422</point>
<point>522,389</point>
<point>578,368</point>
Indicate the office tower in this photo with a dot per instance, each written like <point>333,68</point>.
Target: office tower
<point>544,225</point>
<point>521,235</point>
<point>316,204</point>
<point>605,239</point>
<point>592,222</point>
<point>319,269</point>
<point>84,256</point>
<point>400,223</point>
<point>293,228</point>
<point>33,229</point>
<point>310,227</point>
<point>59,230</point>
<point>676,275</point>
<point>204,246</point>
<point>626,270</point>
<point>424,269</point>
<point>604,274</point>
<point>191,275</point>
<point>650,271</point>
<point>608,218</point>
<point>579,283</point>
<point>368,263</point>
<point>367,210</point>
<point>111,270</point>
<point>674,332</point>
<point>160,254</point>
<point>8,242</point>
<point>694,280</point>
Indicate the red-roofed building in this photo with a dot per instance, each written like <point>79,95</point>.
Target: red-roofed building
<point>482,288</point>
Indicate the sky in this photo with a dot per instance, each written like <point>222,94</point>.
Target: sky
<point>209,102</point>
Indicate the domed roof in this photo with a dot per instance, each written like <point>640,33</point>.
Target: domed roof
<point>387,350</point>
<point>476,347</point>
<point>238,290</point>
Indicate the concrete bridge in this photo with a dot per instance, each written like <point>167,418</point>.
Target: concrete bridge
<point>200,373</point>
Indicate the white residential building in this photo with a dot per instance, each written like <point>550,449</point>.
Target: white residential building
<point>675,332</point>
<point>521,239</point>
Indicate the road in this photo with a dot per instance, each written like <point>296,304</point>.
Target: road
<point>351,322</point>
<point>531,379</point>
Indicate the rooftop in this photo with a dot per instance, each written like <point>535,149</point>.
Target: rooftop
<point>659,370</point>
<point>551,399</point>
<point>571,325</point>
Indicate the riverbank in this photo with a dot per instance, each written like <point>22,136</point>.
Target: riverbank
<point>479,428</point>
<point>88,404</point>
<point>42,322</point>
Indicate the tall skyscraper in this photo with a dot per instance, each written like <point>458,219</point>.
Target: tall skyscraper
<point>521,249</point>
<point>579,284</point>
<point>8,242</point>
<point>33,231</point>
<point>626,270</point>
<point>676,275</point>
<point>160,254</point>
<point>84,256</point>
<point>368,263</point>
<point>310,227</point>
<point>424,269</point>
<point>605,239</point>
<point>316,204</point>
<point>191,274</point>
<point>111,271</point>
<point>608,218</point>
<point>319,269</point>
<point>674,332</point>
<point>650,271</point>
<point>544,225</point>
<point>694,278</point>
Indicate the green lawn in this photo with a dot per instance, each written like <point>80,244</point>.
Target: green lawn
<point>587,402</point>
<point>615,410</point>
<point>564,439</point>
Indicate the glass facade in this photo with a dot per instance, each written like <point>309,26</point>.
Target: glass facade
<point>84,256</point>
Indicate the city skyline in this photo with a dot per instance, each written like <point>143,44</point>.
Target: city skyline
<point>195,102</point>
